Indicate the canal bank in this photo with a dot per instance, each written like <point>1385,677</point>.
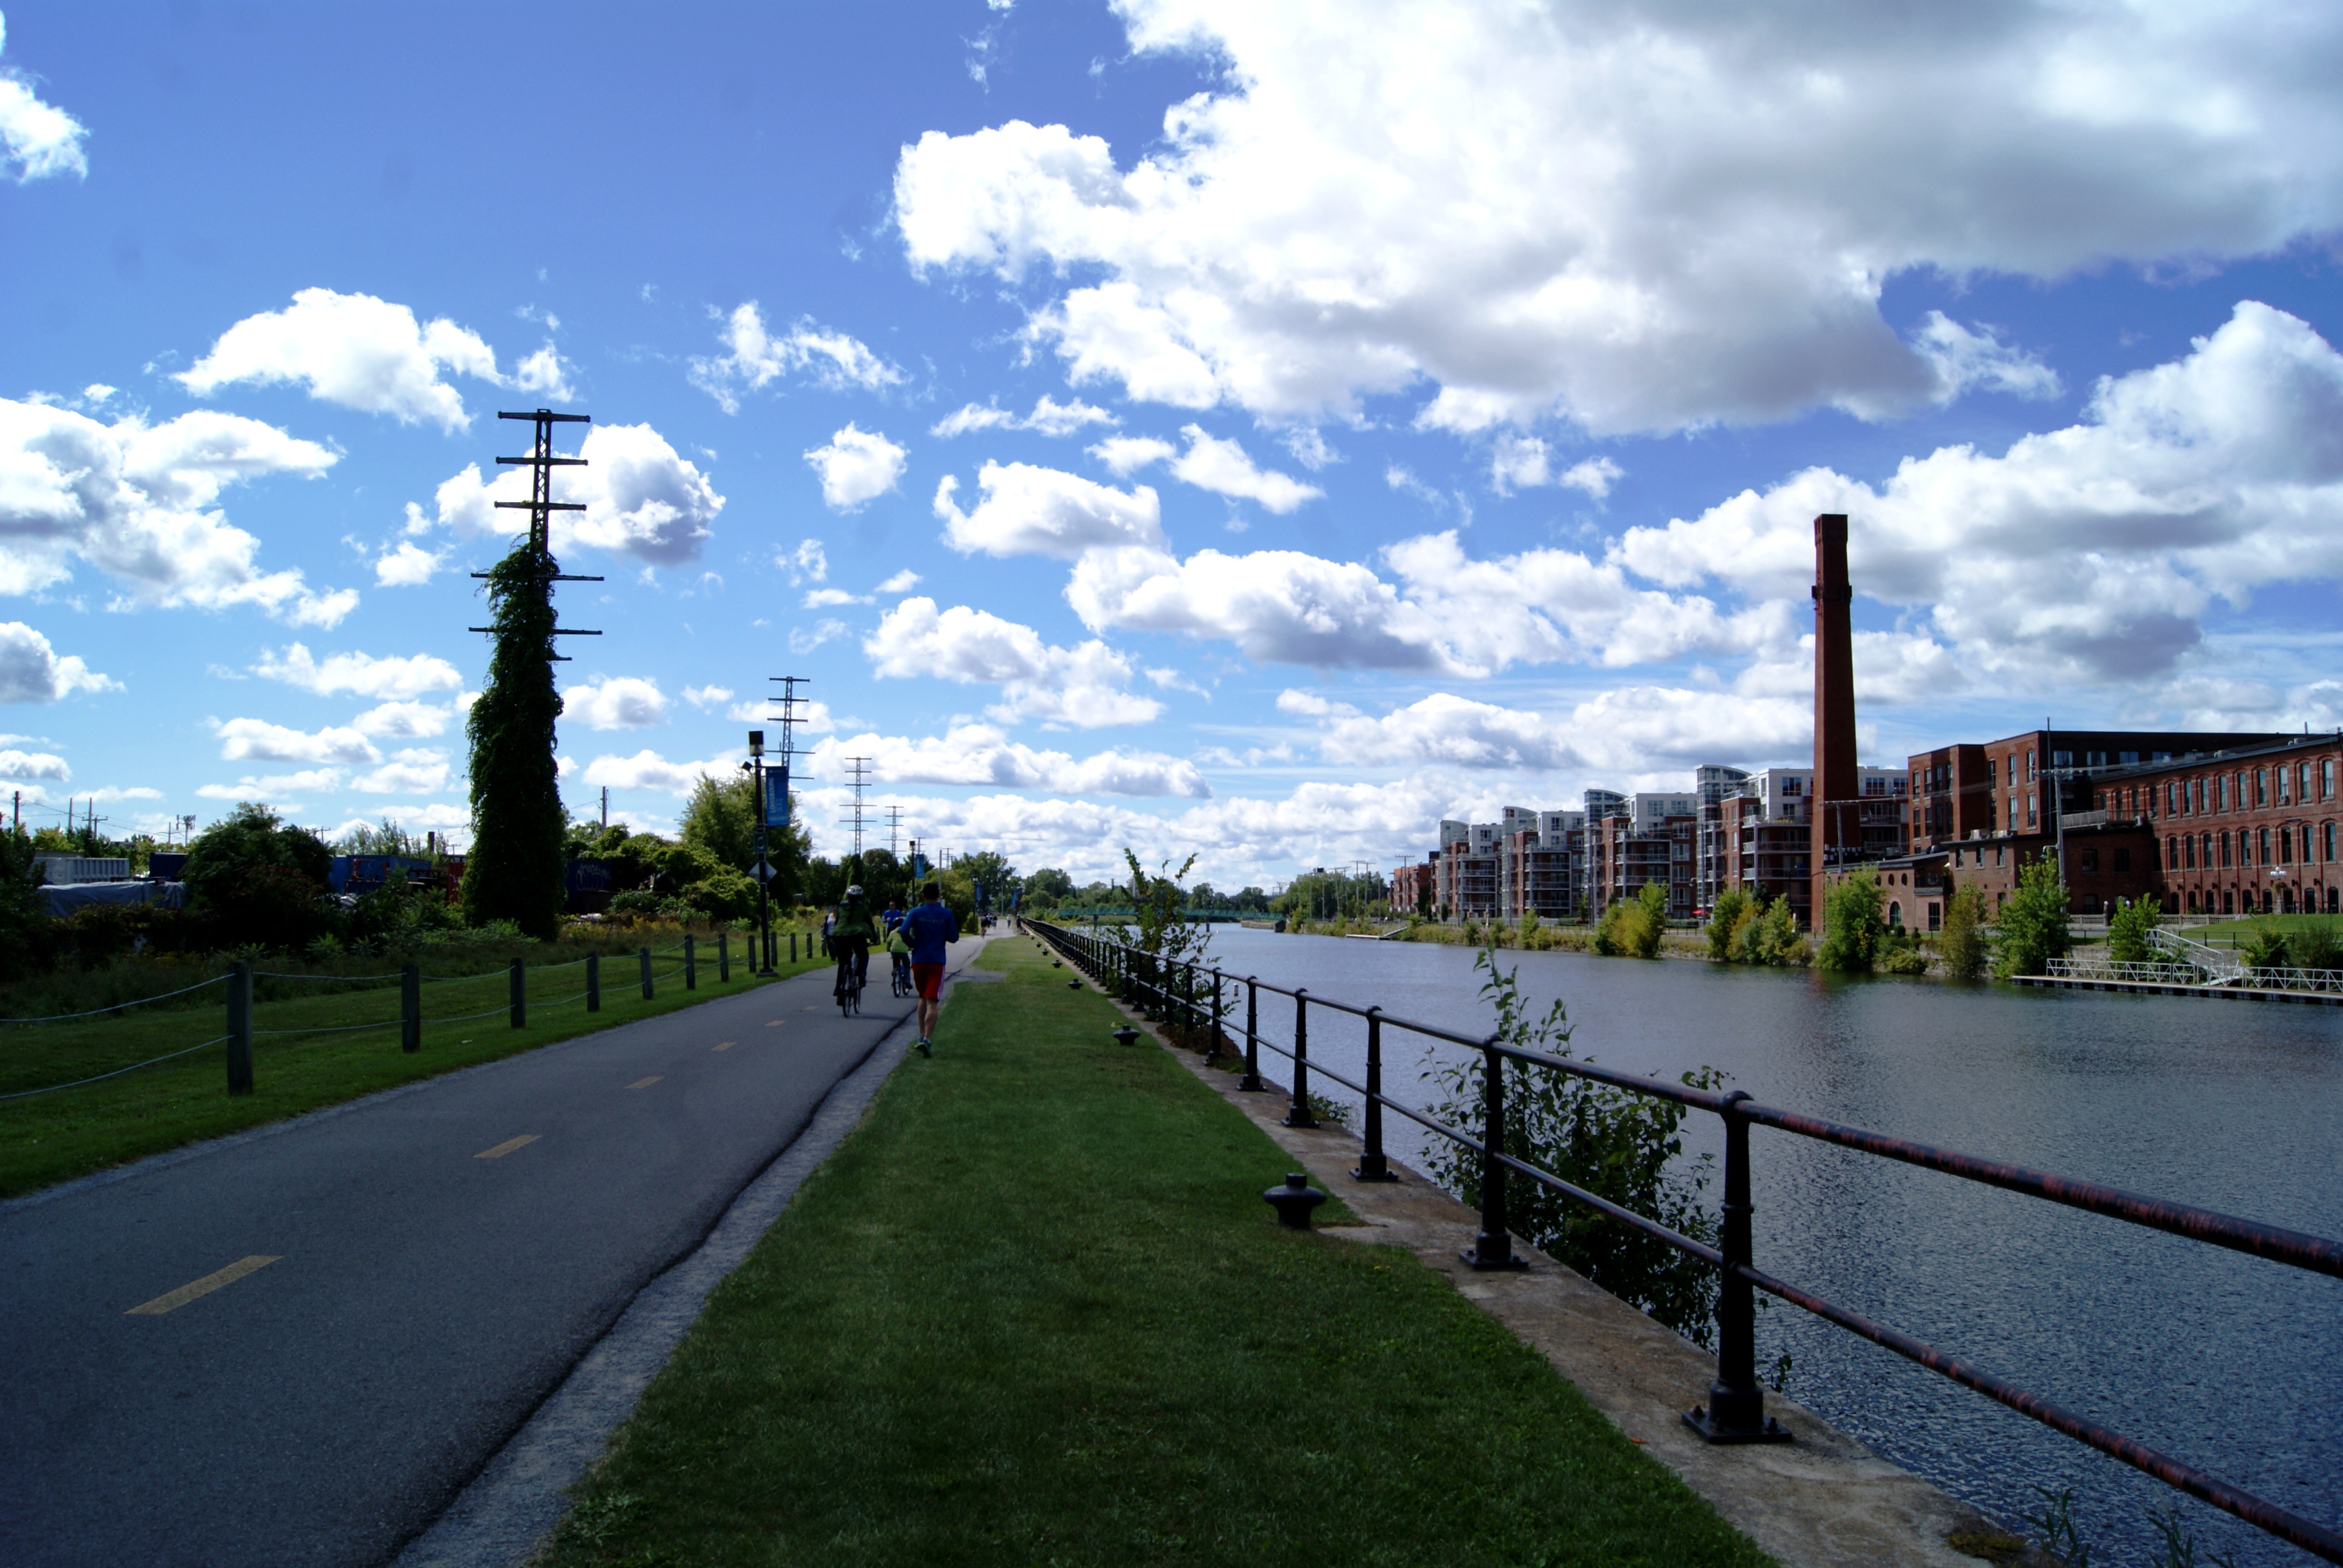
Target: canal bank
<point>2221,1359</point>
<point>1034,1309</point>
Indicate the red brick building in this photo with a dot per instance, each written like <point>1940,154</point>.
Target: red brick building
<point>2253,830</point>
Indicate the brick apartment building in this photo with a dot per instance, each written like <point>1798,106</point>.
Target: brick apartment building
<point>2253,829</point>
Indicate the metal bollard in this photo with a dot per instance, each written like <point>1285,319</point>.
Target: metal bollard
<point>1493,1247</point>
<point>1251,1080</point>
<point>593,982</point>
<point>690,966</point>
<point>240,1027</point>
<point>793,949</point>
<point>1297,1114</point>
<point>520,995</point>
<point>1372,1166</point>
<point>646,957</point>
<point>723,956</point>
<point>1735,1412</point>
<point>410,1009</point>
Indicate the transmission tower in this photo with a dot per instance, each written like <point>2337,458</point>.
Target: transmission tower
<point>540,507</point>
<point>894,825</point>
<point>859,770</point>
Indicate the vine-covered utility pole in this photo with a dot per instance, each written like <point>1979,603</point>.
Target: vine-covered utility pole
<point>515,869</point>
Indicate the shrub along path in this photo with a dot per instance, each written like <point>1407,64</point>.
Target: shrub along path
<point>50,1137</point>
<point>1035,1310</point>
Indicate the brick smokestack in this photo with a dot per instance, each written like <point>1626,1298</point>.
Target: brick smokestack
<point>1837,826</point>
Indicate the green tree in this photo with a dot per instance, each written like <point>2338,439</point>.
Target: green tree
<point>1049,888</point>
<point>720,819</point>
<point>2032,930</point>
<point>2129,926</point>
<point>1631,928</point>
<point>261,879</point>
<point>1853,926</point>
<point>26,933</point>
<point>1732,907</point>
<point>515,868</point>
<point>1961,945</point>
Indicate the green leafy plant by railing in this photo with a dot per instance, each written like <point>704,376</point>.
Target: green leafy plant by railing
<point>1619,1145</point>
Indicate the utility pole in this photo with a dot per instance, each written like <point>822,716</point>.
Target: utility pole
<point>606,807</point>
<point>772,804</point>
<point>859,770</point>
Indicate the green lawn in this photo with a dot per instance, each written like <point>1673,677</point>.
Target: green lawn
<point>1034,1311</point>
<point>2238,933</point>
<point>51,1137</point>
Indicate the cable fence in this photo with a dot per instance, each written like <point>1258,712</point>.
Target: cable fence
<point>644,971</point>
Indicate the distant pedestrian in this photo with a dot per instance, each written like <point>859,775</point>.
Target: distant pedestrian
<point>928,928</point>
<point>829,924</point>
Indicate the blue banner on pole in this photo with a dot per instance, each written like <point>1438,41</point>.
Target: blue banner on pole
<point>777,796</point>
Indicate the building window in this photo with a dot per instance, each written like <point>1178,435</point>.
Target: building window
<point>2286,846</point>
<point>2204,850</point>
<point>2285,797</point>
<point>2326,831</point>
<point>2172,853</point>
<point>2326,779</point>
<point>2090,858</point>
<point>2224,851</point>
<point>2263,847</point>
<point>2188,853</point>
<point>2029,765</point>
<point>2261,785</point>
<point>2032,801</point>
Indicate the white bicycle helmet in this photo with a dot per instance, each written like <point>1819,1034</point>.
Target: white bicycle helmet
<point>855,891</point>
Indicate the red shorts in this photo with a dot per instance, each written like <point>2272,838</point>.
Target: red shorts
<point>930,979</point>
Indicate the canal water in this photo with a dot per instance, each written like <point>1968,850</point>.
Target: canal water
<point>2226,1361</point>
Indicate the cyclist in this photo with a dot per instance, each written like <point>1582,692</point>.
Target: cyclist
<point>928,928</point>
<point>899,951</point>
<point>849,938</point>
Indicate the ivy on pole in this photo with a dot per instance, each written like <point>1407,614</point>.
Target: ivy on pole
<point>515,870</point>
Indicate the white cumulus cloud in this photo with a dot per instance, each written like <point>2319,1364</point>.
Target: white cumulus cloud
<point>2089,553</point>
<point>754,358</point>
<point>642,498</point>
<point>415,771</point>
<point>41,139</point>
<point>32,671</point>
<point>141,503</point>
<point>394,678</point>
<point>979,754</point>
<point>646,770</point>
<point>1031,510</point>
<point>856,467</point>
<point>1636,216</point>
<point>353,349</point>
<point>615,702</point>
<point>257,740</point>
<point>402,720</point>
<point>1086,685</point>
<point>1050,417</point>
<point>25,766</point>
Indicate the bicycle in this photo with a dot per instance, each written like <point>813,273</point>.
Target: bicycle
<point>854,969</point>
<point>900,979</point>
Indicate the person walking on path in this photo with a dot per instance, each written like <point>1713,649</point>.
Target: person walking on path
<point>928,928</point>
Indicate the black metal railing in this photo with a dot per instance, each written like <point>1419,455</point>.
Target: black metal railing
<point>1734,1411</point>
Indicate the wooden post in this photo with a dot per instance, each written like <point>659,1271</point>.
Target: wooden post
<point>240,1027</point>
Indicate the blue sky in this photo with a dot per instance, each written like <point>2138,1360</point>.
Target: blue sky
<point>1201,427</point>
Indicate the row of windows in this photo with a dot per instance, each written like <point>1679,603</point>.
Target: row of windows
<point>2190,851</point>
<point>2238,790</point>
<point>2274,901</point>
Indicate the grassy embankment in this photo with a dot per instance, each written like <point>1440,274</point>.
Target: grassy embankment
<point>1034,1311</point>
<point>52,1137</point>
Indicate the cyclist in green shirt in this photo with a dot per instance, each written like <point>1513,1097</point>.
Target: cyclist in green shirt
<point>850,940</point>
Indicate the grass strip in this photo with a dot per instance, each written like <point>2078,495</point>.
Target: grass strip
<point>51,1138</point>
<point>1034,1311</point>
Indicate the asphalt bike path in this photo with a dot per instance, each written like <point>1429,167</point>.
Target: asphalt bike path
<point>297,1348</point>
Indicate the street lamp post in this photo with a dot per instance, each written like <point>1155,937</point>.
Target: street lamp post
<point>764,964</point>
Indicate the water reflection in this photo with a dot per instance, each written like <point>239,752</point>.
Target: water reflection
<point>2225,1361</point>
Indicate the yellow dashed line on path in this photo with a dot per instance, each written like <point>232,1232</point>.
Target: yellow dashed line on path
<point>774,1023</point>
<point>723,1045</point>
<point>180,1297</point>
<point>506,1147</point>
<point>646,1082</point>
